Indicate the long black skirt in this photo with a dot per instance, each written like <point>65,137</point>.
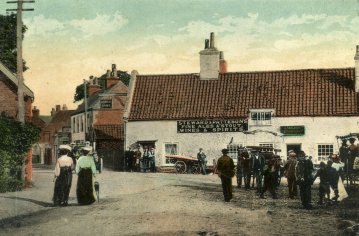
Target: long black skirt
<point>84,190</point>
<point>62,186</point>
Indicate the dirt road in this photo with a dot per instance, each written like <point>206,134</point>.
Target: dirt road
<point>165,204</point>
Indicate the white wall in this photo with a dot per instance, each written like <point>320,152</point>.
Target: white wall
<point>318,130</point>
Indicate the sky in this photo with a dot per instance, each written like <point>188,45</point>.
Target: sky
<point>67,41</point>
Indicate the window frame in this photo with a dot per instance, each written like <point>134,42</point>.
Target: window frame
<point>325,151</point>
<point>261,117</point>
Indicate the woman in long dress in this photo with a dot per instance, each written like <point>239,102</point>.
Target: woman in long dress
<point>63,175</point>
<point>86,170</point>
<point>338,166</point>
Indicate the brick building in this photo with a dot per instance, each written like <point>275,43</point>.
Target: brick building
<point>103,126</point>
<point>291,109</point>
<point>56,132</point>
<point>8,95</point>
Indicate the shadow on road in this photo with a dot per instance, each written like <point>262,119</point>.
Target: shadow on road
<point>40,203</point>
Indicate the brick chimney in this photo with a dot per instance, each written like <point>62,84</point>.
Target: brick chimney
<point>64,107</point>
<point>222,63</point>
<point>356,58</point>
<point>94,87</point>
<point>53,112</point>
<point>113,78</point>
<point>208,60</point>
<point>35,113</point>
<point>58,108</point>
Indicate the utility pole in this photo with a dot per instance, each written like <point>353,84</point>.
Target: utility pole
<point>19,61</point>
<point>26,172</point>
<point>85,101</point>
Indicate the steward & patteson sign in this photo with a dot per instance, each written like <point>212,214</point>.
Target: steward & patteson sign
<point>211,126</point>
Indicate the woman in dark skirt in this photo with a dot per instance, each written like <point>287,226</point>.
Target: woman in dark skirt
<point>86,170</point>
<point>63,175</point>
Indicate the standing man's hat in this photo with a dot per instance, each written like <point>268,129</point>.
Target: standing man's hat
<point>225,151</point>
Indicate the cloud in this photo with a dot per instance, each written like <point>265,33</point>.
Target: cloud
<point>88,28</point>
<point>42,26</point>
<point>100,25</point>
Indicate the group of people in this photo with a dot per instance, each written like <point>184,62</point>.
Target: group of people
<point>268,168</point>
<point>84,166</point>
<point>141,162</point>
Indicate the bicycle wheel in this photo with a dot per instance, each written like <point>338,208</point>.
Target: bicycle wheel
<point>180,167</point>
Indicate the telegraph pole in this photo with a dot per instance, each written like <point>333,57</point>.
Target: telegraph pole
<point>19,61</point>
<point>26,172</point>
<point>85,101</point>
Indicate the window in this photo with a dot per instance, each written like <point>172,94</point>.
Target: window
<point>233,151</point>
<point>261,117</point>
<point>73,125</point>
<point>82,124</point>
<point>106,103</point>
<point>170,149</point>
<point>324,150</point>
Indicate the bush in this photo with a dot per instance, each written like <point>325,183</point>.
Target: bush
<point>16,140</point>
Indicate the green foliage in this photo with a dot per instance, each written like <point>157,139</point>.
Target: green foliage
<point>80,93</point>
<point>8,50</point>
<point>16,140</point>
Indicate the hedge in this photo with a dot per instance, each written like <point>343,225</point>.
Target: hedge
<point>15,140</point>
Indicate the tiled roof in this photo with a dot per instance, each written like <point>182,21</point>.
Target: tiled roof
<point>118,89</point>
<point>109,131</point>
<point>309,92</point>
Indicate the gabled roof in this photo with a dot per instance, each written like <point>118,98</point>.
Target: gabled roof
<point>308,92</point>
<point>109,132</point>
<point>12,77</point>
<point>119,89</point>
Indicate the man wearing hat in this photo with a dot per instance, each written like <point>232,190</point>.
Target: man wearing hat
<point>86,170</point>
<point>289,173</point>
<point>225,168</point>
<point>202,160</point>
<point>63,175</point>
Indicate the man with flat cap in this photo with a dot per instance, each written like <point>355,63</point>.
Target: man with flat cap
<point>225,168</point>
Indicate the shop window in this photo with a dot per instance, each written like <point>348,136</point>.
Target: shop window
<point>261,117</point>
<point>171,149</point>
<point>324,151</point>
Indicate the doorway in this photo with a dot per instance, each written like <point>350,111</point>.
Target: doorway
<point>295,147</point>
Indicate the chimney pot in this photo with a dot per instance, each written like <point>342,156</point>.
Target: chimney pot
<point>211,42</point>
<point>114,70</point>
<point>58,107</point>
<point>206,43</point>
<point>64,107</point>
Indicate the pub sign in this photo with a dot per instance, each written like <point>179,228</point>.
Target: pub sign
<point>298,130</point>
<point>212,126</point>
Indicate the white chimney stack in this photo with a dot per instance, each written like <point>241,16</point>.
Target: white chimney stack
<point>356,58</point>
<point>208,60</point>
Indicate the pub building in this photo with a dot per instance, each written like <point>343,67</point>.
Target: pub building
<point>303,109</point>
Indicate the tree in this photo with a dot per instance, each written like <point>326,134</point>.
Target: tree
<point>8,51</point>
<point>80,93</point>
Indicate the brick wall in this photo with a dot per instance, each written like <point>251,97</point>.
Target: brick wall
<point>8,100</point>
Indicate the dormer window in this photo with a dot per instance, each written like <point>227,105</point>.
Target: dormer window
<point>261,117</point>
